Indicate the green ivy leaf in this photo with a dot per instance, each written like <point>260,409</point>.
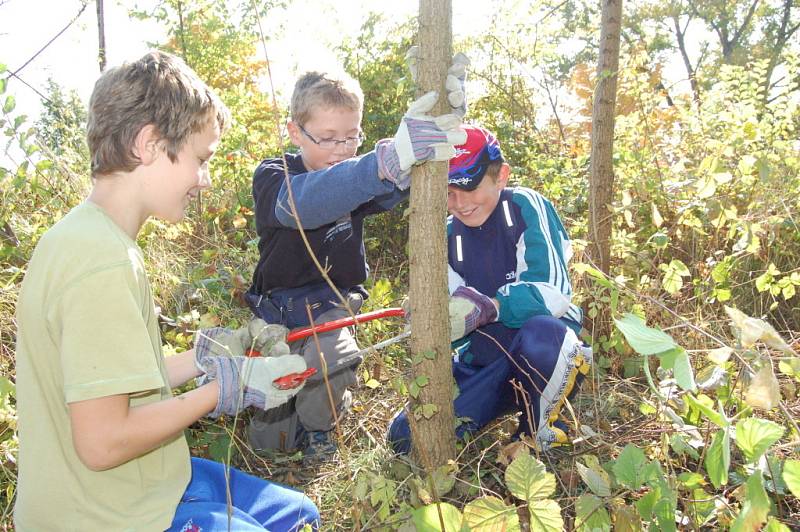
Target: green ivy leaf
<point>754,436</point>
<point>527,479</point>
<point>791,475</point>
<point>718,458</point>
<point>628,467</point>
<point>755,508</point>
<point>591,514</point>
<point>428,410</point>
<point>644,340</point>
<point>426,518</point>
<point>491,513</point>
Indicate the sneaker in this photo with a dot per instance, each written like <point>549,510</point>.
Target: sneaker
<point>320,447</point>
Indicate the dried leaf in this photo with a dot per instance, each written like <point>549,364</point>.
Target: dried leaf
<point>764,390</point>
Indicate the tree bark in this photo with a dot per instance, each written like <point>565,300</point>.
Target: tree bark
<point>433,437</point>
<point>101,35</point>
<point>601,179</point>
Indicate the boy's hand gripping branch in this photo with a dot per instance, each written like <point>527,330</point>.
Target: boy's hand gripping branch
<point>419,138</point>
<point>469,309</point>
<point>455,83</point>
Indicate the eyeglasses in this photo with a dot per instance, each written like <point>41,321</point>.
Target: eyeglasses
<point>350,143</point>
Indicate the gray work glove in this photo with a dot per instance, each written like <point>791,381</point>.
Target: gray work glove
<point>419,138</point>
<point>258,335</point>
<point>468,310</point>
<point>247,381</point>
<point>455,83</point>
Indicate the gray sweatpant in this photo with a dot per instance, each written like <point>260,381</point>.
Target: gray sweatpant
<point>311,407</point>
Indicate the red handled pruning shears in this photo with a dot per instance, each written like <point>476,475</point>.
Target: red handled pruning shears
<point>293,380</point>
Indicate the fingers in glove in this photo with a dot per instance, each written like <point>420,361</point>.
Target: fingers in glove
<point>443,152</point>
<point>452,123</point>
<point>422,105</point>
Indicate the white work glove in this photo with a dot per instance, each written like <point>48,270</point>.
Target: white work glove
<point>468,310</point>
<point>419,138</point>
<point>248,381</point>
<point>455,83</point>
<point>268,339</point>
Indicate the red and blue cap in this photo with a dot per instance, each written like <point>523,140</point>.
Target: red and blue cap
<point>473,158</point>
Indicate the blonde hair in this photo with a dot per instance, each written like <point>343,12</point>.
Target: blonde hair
<point>318,89</point>
<point>160,90</point>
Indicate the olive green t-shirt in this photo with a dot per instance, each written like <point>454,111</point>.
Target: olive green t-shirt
<point>87,328</point>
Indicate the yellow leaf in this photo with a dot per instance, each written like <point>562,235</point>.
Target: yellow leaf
<point>239,221</point>
<point>720,355</point>
<point>764,391</point>
<point>656,216</point>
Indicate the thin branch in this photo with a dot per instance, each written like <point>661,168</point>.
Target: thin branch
<point>43,48</point>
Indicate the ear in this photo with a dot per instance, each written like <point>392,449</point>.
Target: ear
<point>502,176</point>
<point>147,144</point>
<point>295,135</point>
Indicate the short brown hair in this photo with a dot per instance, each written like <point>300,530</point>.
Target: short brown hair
<point>320,89</point>
<point>160,90</point>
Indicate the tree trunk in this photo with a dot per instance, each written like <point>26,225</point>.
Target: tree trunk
<point>101,36</point>
<point>601,179</point>
<point>433,421</point>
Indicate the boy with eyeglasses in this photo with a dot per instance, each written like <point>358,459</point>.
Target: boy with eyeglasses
<point>329,192</point>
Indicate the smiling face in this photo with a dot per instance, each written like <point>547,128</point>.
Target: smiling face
<point>326,123</point>
<point>175,184</point>
<point>473,207</point>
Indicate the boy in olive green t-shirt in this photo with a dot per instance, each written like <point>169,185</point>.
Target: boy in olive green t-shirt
<point>101,443</point>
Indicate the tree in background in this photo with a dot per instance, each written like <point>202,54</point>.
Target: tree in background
<point>601,172</point>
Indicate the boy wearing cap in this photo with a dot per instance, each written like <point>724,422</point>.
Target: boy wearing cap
<point>332,192</point>
<point>512,321</point>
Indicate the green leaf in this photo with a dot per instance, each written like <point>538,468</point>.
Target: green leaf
<point>691,480</point>
<point>3,83</point>
<point>527,479</point>
<point>428,410</point>
<point>773,525</point>
<point>701,506</point>
<point>682,369</point>
<point>701,403</point>
<point>11,102</point>
<point>595,477</point>
<point>754,436</point>
<point>791,475</point>
<point>706,187</point>
<point>718,458</point>
<point>591,514</point>
<point>426,519</point>
<point>644,340</point>
<point>546,516</point>
<point>628,467</point>
<point>755,508</point>
<point>626,520</point>
<point>491,513</point>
